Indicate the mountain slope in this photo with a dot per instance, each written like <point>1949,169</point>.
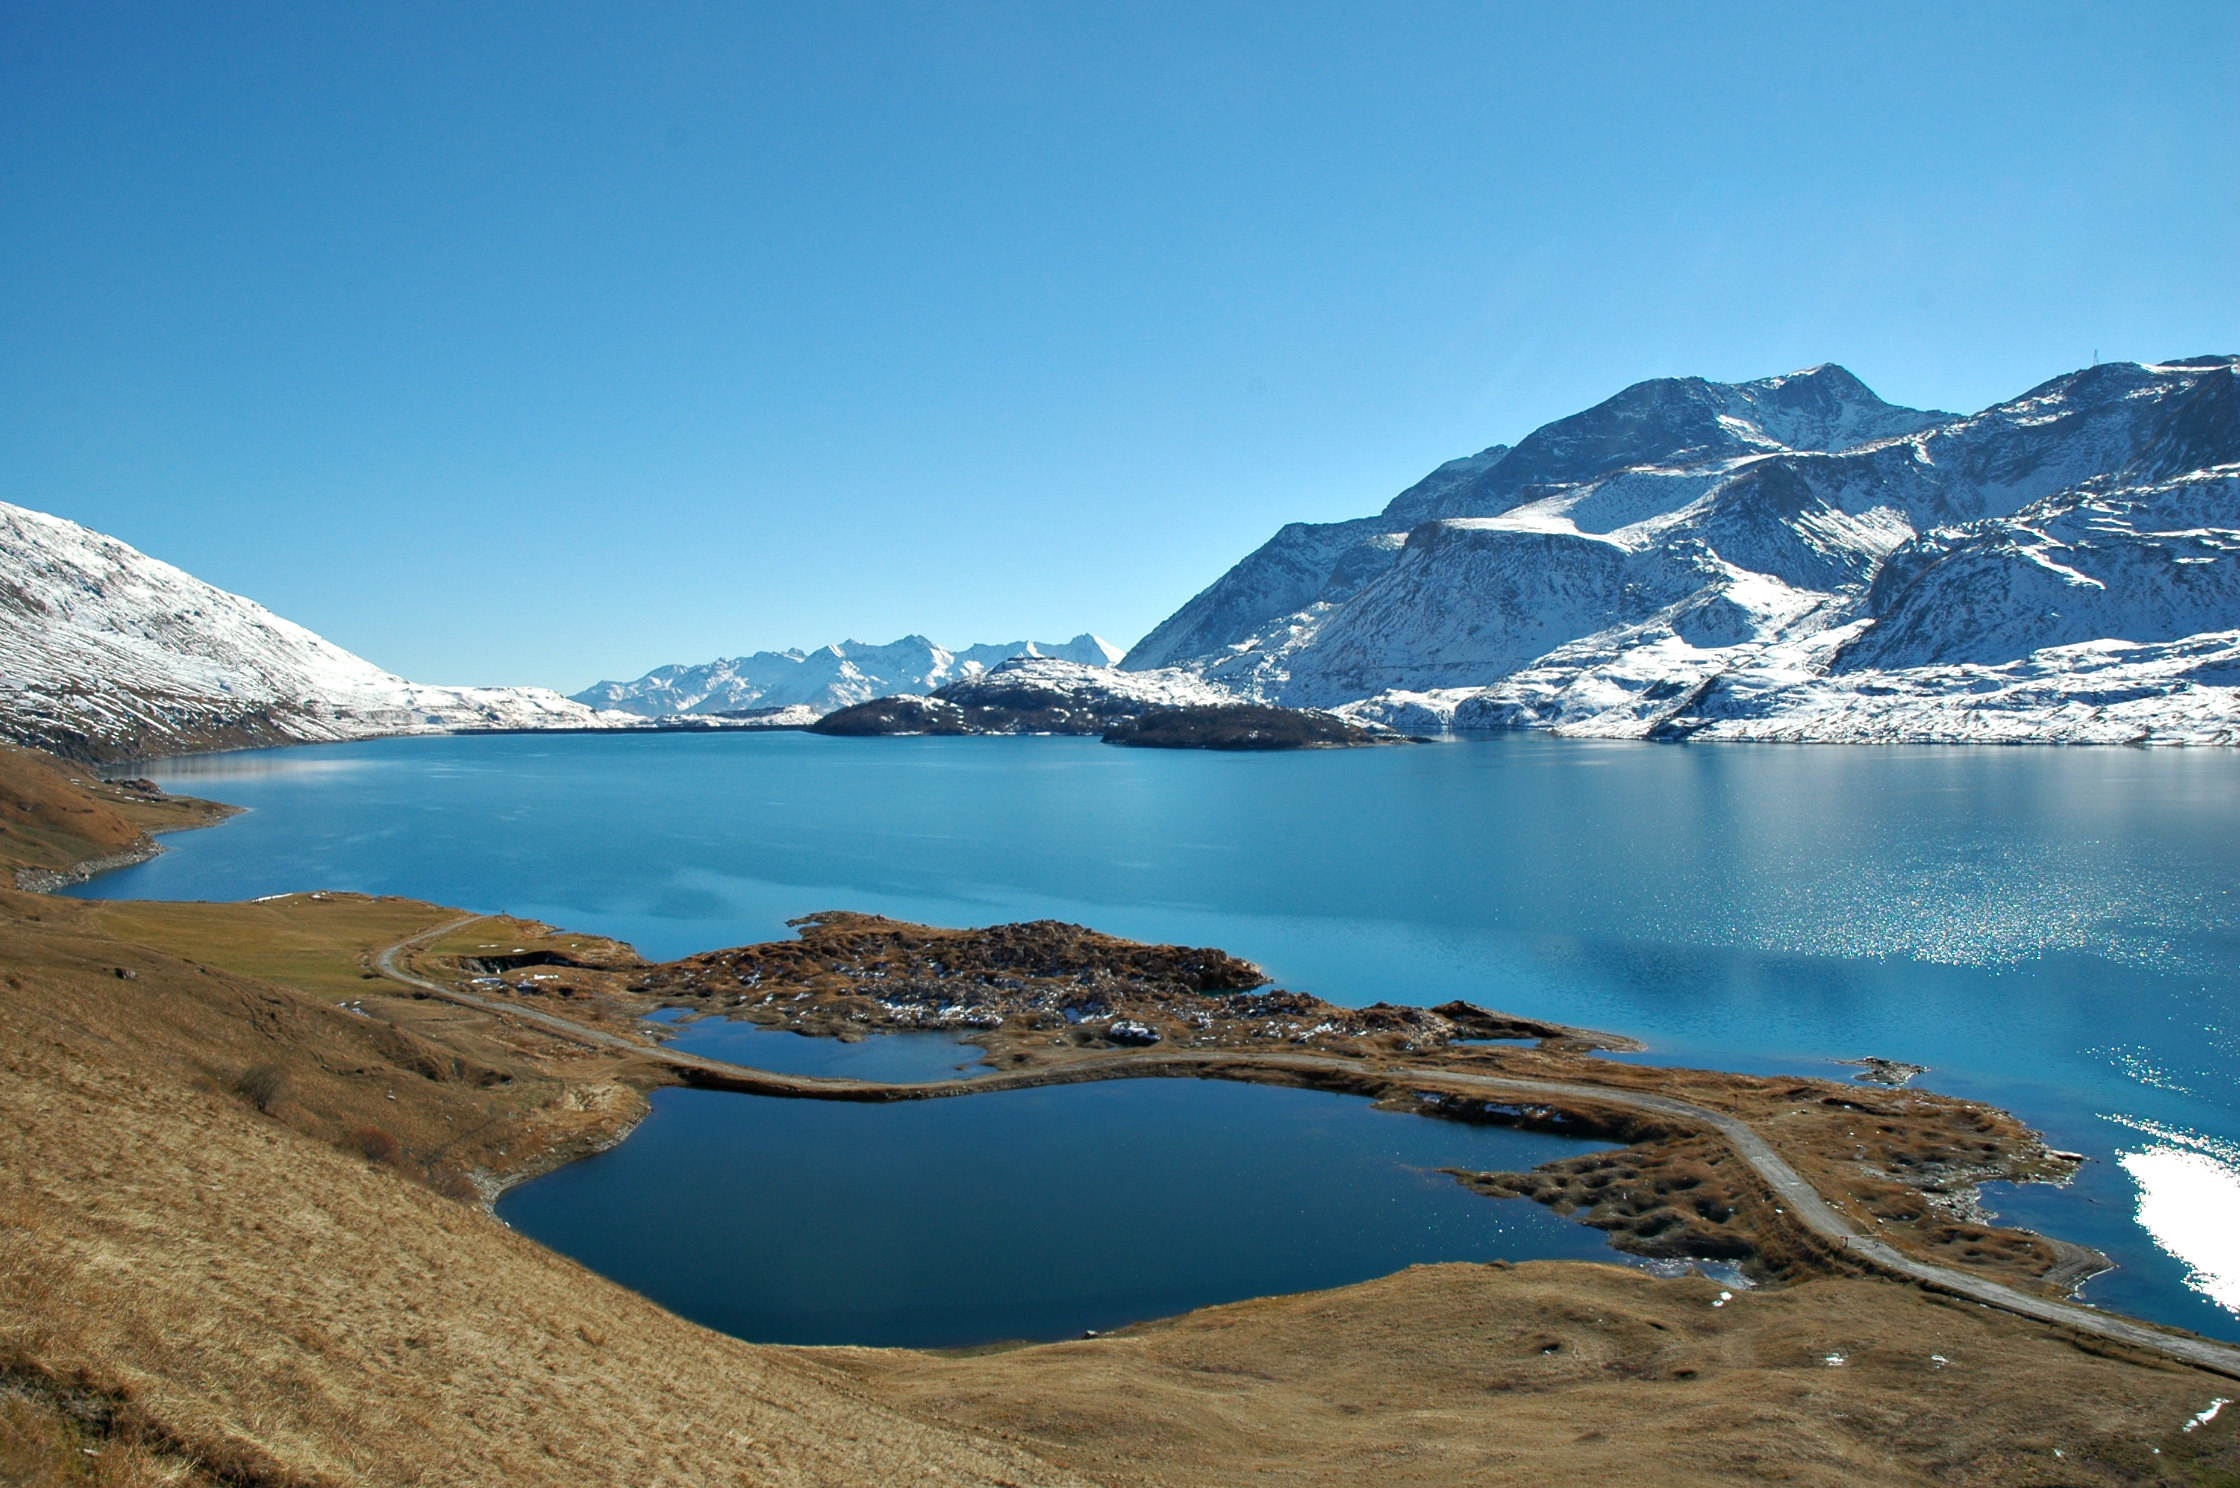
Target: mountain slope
<point>1674,436</point>
<point>1686,538</point>
<point>828,678</point>
<point>107,653</point>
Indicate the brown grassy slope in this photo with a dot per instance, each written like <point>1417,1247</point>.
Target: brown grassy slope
<point>1560,1372</point>
<point>284,1311</point>
<point>55,816</point>
<point>324,942</point>
<point>463,1098</point>
<point>63,1441</point>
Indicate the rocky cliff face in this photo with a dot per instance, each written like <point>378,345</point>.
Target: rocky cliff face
<point>107,653</point>
<point>1694,556</point>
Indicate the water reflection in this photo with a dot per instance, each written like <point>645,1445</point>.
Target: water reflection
<point>1028,1214</point>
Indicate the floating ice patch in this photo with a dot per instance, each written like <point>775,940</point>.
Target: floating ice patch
<point>2189,1200</point>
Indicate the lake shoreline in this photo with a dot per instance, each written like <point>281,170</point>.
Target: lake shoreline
<point>1679,1197</point>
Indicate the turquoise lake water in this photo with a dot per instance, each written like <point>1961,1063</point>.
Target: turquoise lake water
<point>2056,931</point>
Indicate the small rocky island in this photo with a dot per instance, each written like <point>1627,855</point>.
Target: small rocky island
<point>1026,695</point>
<point>1034,695</point>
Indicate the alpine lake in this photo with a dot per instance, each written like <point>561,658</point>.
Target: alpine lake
<point>2055,931</point>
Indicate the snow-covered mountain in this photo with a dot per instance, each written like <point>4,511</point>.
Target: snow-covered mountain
<point>107,653</point>
<point>828,678</point>
<point>1790,557</point>
<point>1027,695</point>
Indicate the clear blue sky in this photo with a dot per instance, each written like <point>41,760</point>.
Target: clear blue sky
<point>547,342</point>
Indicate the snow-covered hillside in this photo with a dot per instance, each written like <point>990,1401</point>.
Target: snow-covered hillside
<point>1052,681</point>
<point>108,653</point>
<point>1791,557</point>
<point>1027,695</point>
<point>831,677</point>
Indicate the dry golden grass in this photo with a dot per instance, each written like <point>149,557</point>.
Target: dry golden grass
<point>1562,1372</point>
<point>54,814</point>
<point>287,1312</point>
<point>43,1444</point>
<point>465,1097</point>
<point>317,943</point>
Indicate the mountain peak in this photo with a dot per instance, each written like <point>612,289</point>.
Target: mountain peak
<point>1668,422</point>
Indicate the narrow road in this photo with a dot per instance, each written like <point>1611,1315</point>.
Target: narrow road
<point>1799,1198</point>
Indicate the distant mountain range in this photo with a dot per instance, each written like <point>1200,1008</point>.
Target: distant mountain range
<point>1785,559</point>
<point>828,678</point>
<point>106,653</point>
<point>1791,558</point>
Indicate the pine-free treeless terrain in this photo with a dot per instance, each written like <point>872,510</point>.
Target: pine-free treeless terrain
<point>204,1278</point>
<point>58,820</point>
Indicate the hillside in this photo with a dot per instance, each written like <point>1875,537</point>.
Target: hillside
<point>1788,558</point>
<point>61,825</point>
<point>107,653</point>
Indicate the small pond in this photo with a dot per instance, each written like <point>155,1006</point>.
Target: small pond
<point>1028,1214</point>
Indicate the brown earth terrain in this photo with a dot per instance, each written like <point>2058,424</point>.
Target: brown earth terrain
<point>241,1240</point>
<point>60,824</point>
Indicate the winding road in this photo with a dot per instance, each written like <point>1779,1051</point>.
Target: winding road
<point>1798,1197</point>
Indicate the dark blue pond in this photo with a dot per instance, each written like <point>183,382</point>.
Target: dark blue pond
<point>1027,1214</point>
<point>2053,930</point>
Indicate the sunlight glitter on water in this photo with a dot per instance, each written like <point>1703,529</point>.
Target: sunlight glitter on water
<point>2190,1202</point>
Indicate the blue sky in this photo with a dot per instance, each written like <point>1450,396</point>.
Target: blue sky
<point>544,343</point>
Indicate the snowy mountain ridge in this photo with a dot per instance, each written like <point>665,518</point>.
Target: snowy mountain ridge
<point>108,653</point>
<point>1725,559</point>
<point>828,678</point>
